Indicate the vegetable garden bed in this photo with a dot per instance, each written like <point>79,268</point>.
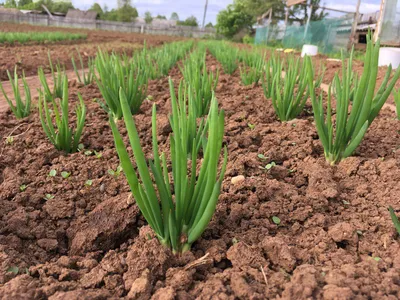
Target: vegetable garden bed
<point>287,224</point>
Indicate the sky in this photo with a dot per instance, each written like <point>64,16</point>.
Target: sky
<point>186,8</point>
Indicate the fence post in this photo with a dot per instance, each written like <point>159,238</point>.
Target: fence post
<point>308,22</point>
<point>378,28</point>
<point>354,27</point>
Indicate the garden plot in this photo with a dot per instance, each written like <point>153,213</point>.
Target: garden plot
<point>287,223</point>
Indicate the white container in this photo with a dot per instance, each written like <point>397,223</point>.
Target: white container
<point>309,50</point>
<point>389,56</point>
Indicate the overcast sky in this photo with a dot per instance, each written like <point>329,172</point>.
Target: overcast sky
<point>186,8</point>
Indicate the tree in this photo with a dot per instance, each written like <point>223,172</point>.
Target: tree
<point>97,8</point>
<point>210,25</point>
<point>161,17</point>
<point>190,21</point>
<point>242,14</point>
<point>51,5</point>
<point>147,17</point>
<point>111,15</point>
<point>297,13</point>
<point>122,3</point>
<point>127,13</point>
<point>257,8</point>
<point>10,4</point>
<point>315,15</point>
<point>174,16</point>
<point>61,7</point>
<point>22,3</point>
<point>233,19</point>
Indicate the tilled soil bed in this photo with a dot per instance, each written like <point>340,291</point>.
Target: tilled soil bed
<point>335,239</point>
<point>29,57</point>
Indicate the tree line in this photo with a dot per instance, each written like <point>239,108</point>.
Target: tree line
<point>125,13</point>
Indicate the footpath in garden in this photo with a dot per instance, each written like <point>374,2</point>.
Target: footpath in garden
<point>34,84</point>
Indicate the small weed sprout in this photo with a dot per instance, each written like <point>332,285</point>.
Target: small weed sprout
<point>9,140</point>
<point>395,219</point>
<point>115,173</point>
<point>251,126</point>
<point>65,174</point>
<point>276,220</point>
<point>48,197</point>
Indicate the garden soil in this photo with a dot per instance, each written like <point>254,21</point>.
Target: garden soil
<point>334,238</point>
<point>31,56</point>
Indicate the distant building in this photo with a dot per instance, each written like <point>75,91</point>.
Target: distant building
<point>32,12</point>
<point>365,22</point>
<point>89,15</point>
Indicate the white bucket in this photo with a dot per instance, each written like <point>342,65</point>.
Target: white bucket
<point>389,56</point>
<point>310,50</point>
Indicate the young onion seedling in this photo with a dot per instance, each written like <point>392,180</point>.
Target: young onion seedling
<point>396,94</point>
<point>273,66</point>
<point>253,72</point>
<point>22,108</point>
<point>341,140</point>
<point>249,75</point>
<point>184,118</point>
<point>395,220</point>
<point>61,135</point>
<point>289,94</point>
<point>114,74</point>
<point>180,216</point>
<point>58,75</point>
<point>202,83</point>
<point>225,54</point>
<point>87,77</point>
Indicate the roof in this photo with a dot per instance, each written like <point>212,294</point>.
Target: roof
<point>12,11</point>
<point>80,14</point>
<point>365,27</point>
<point>362,27</point>
<point>26,11</point>
<point>369,18</point>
